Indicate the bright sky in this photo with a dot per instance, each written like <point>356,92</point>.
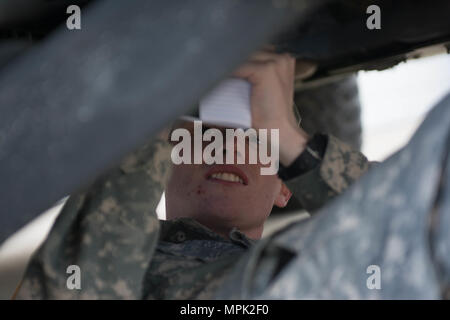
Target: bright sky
<point>394,101</point>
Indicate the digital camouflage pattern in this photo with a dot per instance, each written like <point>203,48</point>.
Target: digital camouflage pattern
<point>396,218</point>
<point>111,231</point>
<point>340,167</point>
<point>191,261</point>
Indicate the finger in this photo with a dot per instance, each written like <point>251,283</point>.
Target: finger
<point>264,56</point>
<point>269,48</point>
<point>251,71</point>
<point>283,59</point>
<point>304,69</point>
<point>284,63</point>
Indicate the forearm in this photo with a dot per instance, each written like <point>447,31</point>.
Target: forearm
<point>109,230</point>
<point>338,168</point>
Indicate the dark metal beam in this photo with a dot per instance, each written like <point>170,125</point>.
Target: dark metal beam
<point>336,36</point>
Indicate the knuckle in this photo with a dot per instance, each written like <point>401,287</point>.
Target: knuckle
<point>287,56</point>
<point>270,66</point>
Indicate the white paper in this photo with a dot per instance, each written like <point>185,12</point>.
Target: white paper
<point>228,104</point>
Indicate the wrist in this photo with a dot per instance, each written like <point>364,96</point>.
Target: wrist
<point>293,142</point>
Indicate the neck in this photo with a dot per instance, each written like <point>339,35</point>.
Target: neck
<point>252,233</point>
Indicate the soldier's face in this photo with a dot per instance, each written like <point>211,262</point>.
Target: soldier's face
<point>223,196</point>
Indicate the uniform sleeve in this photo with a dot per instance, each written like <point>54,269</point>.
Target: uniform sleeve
<point>339,168</point>
<point>106,232</point>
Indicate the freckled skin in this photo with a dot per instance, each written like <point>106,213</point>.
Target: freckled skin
<point>221,207</point>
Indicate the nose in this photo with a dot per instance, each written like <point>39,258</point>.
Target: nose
<point>236,151</point>
<point>238,156</point>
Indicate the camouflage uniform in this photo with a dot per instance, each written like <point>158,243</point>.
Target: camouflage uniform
<point>395,218</point>
<point>110,230</point>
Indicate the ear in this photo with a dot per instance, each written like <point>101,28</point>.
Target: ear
<point>283,196</point>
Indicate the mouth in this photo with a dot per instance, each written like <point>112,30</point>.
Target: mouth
<point>227,174</point>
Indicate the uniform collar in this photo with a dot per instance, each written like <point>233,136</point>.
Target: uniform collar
<point>183,229</point>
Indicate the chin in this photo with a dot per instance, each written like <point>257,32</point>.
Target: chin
<point>220,212</point>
